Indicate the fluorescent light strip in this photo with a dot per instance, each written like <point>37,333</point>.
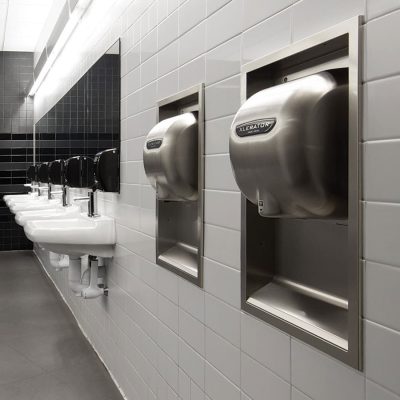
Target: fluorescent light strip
<point>7,4</point>
<point>66,33</point>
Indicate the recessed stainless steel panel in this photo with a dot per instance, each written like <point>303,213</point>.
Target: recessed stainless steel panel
<point>295,154</point>
<point>173,161</point>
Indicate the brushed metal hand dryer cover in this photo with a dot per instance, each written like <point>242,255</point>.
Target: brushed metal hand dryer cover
<point>170,158</point>
<point>284,148</point>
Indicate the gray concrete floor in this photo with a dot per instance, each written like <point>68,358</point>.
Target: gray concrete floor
<point>43,354</point>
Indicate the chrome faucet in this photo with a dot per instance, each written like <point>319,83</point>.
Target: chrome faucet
<point>33,185</point>
<point>49,193</point>
<point>41,188</point>
<point>63,192</point>
<point>64,196</point>
<point>92,203</point>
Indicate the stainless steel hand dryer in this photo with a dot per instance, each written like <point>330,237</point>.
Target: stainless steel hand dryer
<point>295,153</point>
<point>173,161</point>
<point>169,158</point>
<point>285,148</point>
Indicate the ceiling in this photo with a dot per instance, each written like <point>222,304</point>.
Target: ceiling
<point>21,23</point>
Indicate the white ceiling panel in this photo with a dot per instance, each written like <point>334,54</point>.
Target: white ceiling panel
<point>26,12</point>
<point>20,43</point>
<point>22,23</point>
<point>30,2</point>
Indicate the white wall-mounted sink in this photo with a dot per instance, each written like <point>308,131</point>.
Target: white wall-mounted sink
<point>75,236</point>
<point>35,205</point>
<point>33,199</point>
<point>17,198</point>
<point>22,217</point>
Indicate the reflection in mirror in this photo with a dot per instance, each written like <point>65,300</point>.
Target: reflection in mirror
<point>87,119</point>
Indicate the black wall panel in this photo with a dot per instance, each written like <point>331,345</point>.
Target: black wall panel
<point>16,140</point>
<point>87,119</point>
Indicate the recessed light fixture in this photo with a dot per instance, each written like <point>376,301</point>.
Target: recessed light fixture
<point>65,26</point>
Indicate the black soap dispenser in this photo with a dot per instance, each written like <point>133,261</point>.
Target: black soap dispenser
<point>79,172</point>
<point>106,169</point>
<point>31,173</point>
<point>56,172</point>
<point>57,177</point>
<point>43,173</point>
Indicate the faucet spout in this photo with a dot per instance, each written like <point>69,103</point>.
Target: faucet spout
<point>92,207</point>
<point>92,203</point>
<point>64,196</point>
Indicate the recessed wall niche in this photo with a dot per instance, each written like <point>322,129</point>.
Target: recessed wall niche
<point>87,119</point>
<point>174,164</point>
<point>294,149</point>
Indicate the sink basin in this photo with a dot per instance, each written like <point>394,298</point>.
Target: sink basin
<point>22,217</point>
<point>14,198</point>
<point>35,205</point>
<point>75,236</point>
<point>17,196</point>
<point>21,200</point>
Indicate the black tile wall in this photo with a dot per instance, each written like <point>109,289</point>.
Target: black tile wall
<point>16,140</point>
<point>87,119</point>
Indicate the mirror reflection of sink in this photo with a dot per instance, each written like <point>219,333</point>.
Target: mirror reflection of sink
<point>22,217</point>
<point>76,236</point>
<point>35,205</point>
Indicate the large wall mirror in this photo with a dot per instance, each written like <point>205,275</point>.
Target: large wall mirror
<point>87,119</point>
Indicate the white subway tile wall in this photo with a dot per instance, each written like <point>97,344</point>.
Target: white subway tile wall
<point>160,336</point>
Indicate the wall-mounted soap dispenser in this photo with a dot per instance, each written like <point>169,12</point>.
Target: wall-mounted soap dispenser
<point>31,175</point>
<point>294,149</point>
<point>101,173</point>
<point>43,178</point>
<point>57,177</point>
<point>173,161</point>
<point>43,172</point>
<point>79,173</point>
<point>106,171</point>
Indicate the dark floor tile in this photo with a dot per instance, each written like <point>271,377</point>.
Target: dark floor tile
<point>20,259</point>
<point>48,387</point>
<point>91,378</point>
<point>43,387</point>
<point>43,353</point>
<point>51,352</point>
<point>19,320</point>
<point>14,367</point>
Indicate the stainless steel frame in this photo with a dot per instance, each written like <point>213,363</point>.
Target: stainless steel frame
<point>337,47</point>
<point>186,216</point>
